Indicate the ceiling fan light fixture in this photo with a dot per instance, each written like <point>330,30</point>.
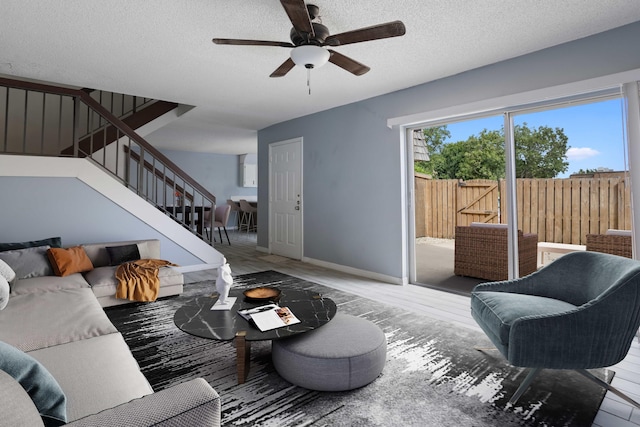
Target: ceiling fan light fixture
<point>310,56</point>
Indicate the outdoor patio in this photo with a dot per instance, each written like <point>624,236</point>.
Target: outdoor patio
<point>434,259</point>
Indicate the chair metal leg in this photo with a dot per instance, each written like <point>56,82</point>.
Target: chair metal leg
<point>249,221</point>
<point>524,385</point>
<point>243,220</point>
<point>226,234</point>
<point>609,387</point>
<point>535,371</point>
<point>235,220</point>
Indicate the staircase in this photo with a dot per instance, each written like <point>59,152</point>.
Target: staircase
<point>45,120</point>
<point>136,117</point>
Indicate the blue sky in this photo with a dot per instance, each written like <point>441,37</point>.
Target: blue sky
<point>595,132</point>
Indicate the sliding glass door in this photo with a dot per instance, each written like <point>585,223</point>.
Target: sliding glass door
<point>455,184</point>
<point>571,174</point>
<point>558,168</point>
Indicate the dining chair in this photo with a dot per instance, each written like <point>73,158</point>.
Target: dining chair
<point>221,217</point>
<point>248,219</point>
<point>207,223</point>
<point>236,212</point>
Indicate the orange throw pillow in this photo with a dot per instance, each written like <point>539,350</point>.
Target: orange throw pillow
<point>69,261</point>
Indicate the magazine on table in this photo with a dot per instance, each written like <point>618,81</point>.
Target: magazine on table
<point>270,316</point>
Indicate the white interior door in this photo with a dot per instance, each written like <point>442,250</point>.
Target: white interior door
<point>285,198</point>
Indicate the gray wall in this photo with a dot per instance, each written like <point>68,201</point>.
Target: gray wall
<point>37,208</point>
<point>351,160</point>
<point>218,173</point>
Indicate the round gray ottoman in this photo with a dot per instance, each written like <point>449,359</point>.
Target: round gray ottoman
<point>346,353</point>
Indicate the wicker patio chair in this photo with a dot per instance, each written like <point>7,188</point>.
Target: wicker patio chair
<point>615,244</point>
<point>481,252</point>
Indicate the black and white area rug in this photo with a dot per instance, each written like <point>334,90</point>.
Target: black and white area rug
<point>433,375</point>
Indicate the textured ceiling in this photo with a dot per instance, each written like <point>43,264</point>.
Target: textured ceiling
<point>162,49</point>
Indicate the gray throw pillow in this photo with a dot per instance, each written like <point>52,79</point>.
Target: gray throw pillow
<point>28,262</point>
<point>54,242</point>
<point>44,390</point>
<point>121,254</point>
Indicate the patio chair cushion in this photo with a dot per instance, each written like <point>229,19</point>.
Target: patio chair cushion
<point>488,225</point>
<point>615,232</point>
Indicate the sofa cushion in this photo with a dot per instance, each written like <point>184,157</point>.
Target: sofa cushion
<point>97,252</point>
<point>109,375</point>
<point>48,284</point>
<point>191,403</point>
<point>103,280</point>
<point>122,254</point>
<point>69,261</point>
<point>43,319</point>
<point>40,385</point>
<point>54,242</point>
<point>23,412</point>
<point>28,262</point>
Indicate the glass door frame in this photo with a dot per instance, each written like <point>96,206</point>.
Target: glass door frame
<point>631,116</point>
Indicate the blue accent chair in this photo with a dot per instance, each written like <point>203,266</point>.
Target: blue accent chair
<point>580,312</point>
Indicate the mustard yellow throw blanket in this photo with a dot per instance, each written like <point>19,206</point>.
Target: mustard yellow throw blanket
<point>138,280</point>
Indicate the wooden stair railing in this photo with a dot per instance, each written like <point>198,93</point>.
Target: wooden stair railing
<point>155,175</point>
<point>160,175</point>
<point>108,135</point>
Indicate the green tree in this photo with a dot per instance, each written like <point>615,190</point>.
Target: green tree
<point>540,153</point>
<point>586,171</point>
<point>434,138</point>
<point>479,157</point>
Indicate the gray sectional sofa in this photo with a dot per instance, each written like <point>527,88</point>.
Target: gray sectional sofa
<point>56,327</point>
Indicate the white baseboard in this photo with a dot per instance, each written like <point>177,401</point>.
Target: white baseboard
<point>358,272</point>
<point>196,267</point>
<point>350,270</point>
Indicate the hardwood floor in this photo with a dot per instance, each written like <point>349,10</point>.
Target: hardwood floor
<point>243,258</point>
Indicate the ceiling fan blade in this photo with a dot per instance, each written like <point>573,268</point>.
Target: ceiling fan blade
<point>375,32</point>
<point>351,65</point>
<point>284,68</point>
<point>298,15</point>
<point>252,42</point>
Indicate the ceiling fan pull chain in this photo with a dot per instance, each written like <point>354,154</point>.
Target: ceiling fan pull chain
<point>309,79</point>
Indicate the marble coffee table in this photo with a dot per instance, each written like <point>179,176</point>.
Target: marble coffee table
<point>196,318</point>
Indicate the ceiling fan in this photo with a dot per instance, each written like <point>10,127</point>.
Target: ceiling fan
<point>310,39</point>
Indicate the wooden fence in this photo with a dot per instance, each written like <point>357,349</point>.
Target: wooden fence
<point>557,210</point>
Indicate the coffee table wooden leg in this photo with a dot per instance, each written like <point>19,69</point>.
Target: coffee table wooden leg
<point>243,353</point>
